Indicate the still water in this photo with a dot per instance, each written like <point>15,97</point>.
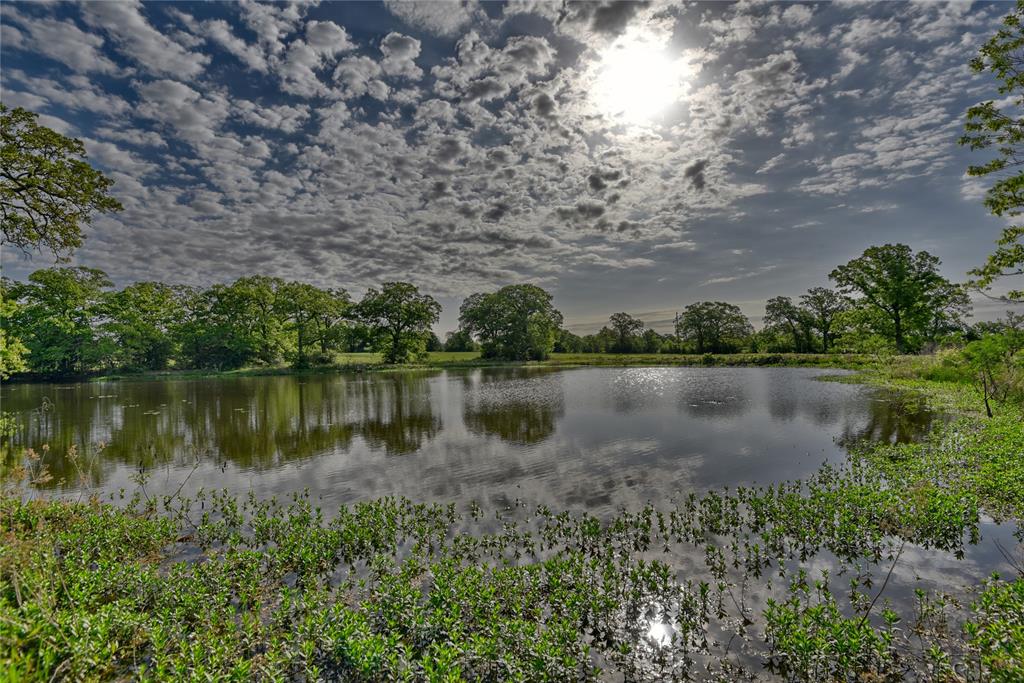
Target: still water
<point>588,438</point>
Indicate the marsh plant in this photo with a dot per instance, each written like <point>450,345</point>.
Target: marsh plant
<point>713,586</point>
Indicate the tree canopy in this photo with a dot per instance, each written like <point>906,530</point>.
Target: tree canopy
<point>909,301</point>
<point>47,188</point>
<point>998,127</point>
<point>518,322</point>
<point>400,318</point>
<point>714,326</point>
<point>627,328</point>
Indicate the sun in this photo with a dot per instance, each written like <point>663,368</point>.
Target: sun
<point>638,80</point>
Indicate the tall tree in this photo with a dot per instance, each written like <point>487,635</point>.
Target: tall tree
<point>13,351</point>
<point>714,326</point>
<point>58,318</point>
<point>822,306</point>
<point>400,318</point>
<point>141,318</point>
<point>627,327</point>
<point>999,127</point>
<point>311,313</point>
<point>904,289</point>
<point>780,312</point>
<point>518,322</point>
<point>47,188</point>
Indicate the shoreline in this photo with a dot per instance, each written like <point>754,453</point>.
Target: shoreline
<point>360,363</point>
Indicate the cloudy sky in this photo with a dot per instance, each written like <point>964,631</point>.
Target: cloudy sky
<point>624,156</point>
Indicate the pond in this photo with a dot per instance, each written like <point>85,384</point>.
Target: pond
<point>588,439</point>
<point>585,438</point>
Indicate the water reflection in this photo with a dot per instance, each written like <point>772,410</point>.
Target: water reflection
<point>593,438</point>
<point>516,409</point>
<point>395,413</point>
<point>893,417</point>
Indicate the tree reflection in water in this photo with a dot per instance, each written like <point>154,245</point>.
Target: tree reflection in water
<point>516,409</point>
<point>396,411</point>
<point>893,417</point>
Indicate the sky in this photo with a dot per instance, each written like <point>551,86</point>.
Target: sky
<point>625,156</point>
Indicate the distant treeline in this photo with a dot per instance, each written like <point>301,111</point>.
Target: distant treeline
<point>67,320</point>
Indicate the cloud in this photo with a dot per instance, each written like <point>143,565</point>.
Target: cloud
<point>138,40</point>
<point>463,152</point>
<point>439,18</point>
<point>61,41</point>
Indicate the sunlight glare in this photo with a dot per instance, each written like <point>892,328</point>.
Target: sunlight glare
<point>660,633</point>
<point>637,80</point>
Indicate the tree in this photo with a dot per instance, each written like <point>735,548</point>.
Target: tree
<point>714,326</point>
<point>400,318</point>
<point>47,189</point>
<point>822,306</point>
<point>230,326</point>
<point>459,340</point>
<point>651,342</point>
<point>312,314</point>
<point>990,127</point>
<point>12,350</point>
<point>567,342</point>
<point>904,289</point>
<point>518,322</point>
<point>141,318</point>
<point>627,328</point>
<point>780,312</point>
<point>57,318</point>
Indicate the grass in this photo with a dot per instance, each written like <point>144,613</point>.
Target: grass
<point>240,589</point>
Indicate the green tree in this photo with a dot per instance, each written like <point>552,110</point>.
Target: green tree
<point>781,313</point>
<point>651,342</point>
<point>141,320</point>
<point>312,314</point>
<point>58,318</point>
<point>400,319</point>
<point>903,289</point>
<point>230,326</point>
<point>47,189</point>
<point>999,127</point>
<point>627,328</point>
<point>567,342</point>
<point>822,306</point>
<point>459,340</point>
<point>518,322</point>
<point>13,351</point>
<point>713,326</point>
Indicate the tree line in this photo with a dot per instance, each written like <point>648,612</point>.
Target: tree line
<point>68,320</point>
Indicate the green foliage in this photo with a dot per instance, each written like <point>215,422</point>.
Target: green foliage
<point>47,189</point>
<point>314,315</point>
<point>628,329</point>
<point>55,318</point>
<point>812,640</point>
<point>460,341</point>
<point>12,350</point>
<point>142,319</point>
<point>998,632</point>
<point>999,128</point>
<point>399,318</point>
<point>780,313</point>
<point>713,326</point>
<point>518,322</point>
<point>903,296</point>
<point>823,306</point>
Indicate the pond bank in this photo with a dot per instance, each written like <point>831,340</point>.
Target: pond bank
<point>370,362</point>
